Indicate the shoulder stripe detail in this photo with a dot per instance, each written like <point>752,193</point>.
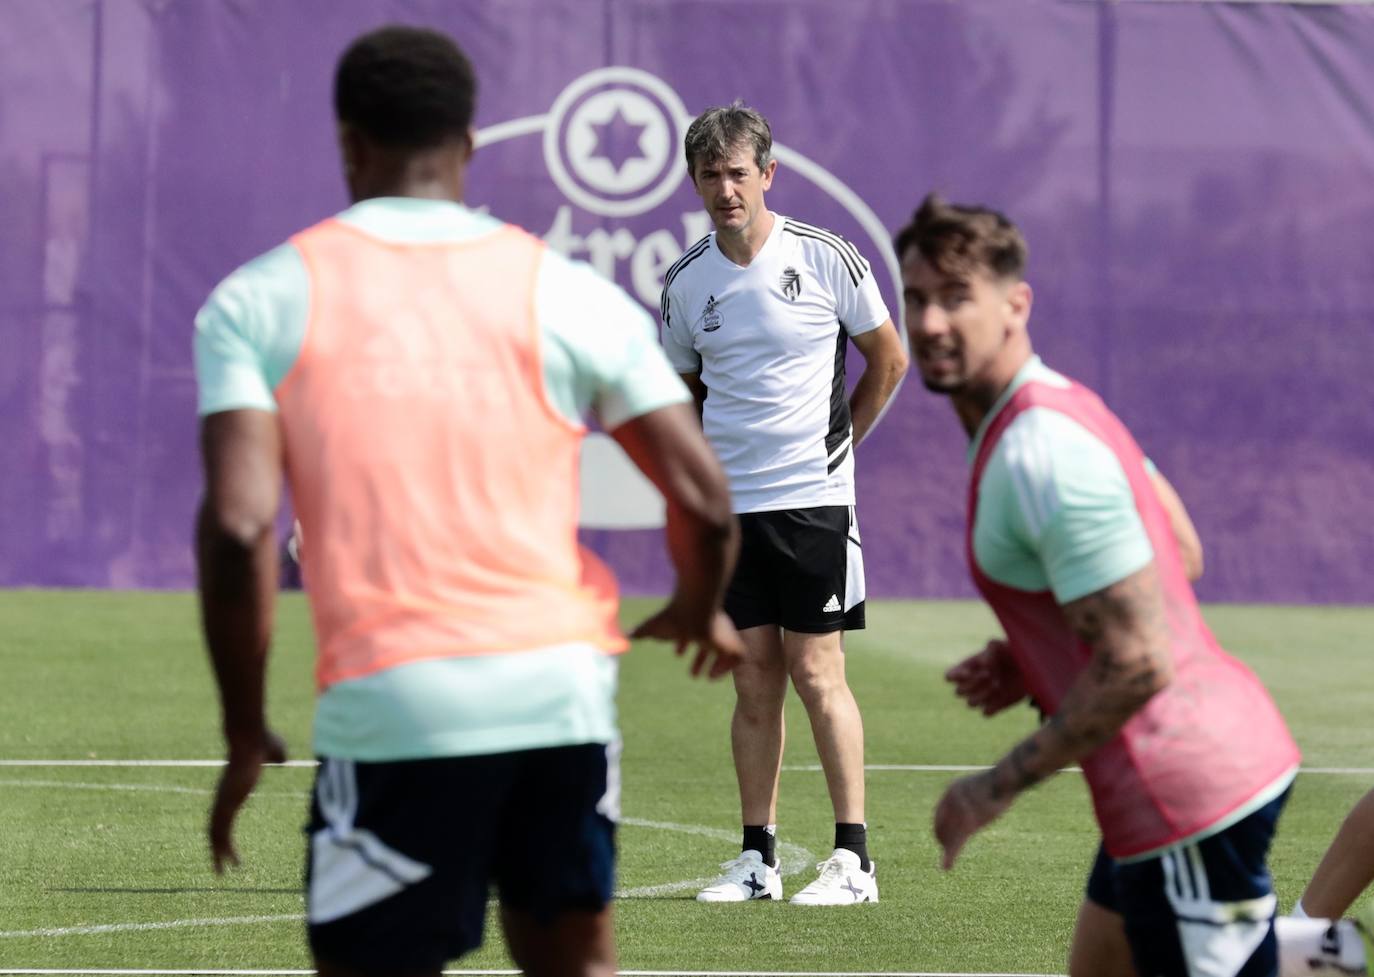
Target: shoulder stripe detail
<point>690,255</point>
<point>856,274</point>
<point>841,243</point>
<point>857,269</point>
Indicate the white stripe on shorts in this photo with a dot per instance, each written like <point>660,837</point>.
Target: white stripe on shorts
<point>854,584</point>
<point>1217,937</point>
<point>350,868</point>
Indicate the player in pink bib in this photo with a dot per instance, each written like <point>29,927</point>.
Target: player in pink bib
<point>1076,548</point>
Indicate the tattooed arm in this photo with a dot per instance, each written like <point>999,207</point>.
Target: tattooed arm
<point>1124,626</point>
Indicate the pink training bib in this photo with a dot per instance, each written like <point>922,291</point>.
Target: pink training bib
<point>1202,748</point>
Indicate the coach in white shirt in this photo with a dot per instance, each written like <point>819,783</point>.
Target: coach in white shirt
<point>756,317</point>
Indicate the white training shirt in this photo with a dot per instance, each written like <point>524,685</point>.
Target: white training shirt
<point>769,341</point>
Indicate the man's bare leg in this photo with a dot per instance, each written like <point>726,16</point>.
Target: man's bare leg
<point>756,738</point>
<point>1099,944</point>
<point>756,730</point>
<point>1347,868</point>
<point>815,663</point>
<point>323,968</point>
<point>574,944</point>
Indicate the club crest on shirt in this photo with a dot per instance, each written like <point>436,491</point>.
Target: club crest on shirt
<point>711,318</point>
<point>791,283</point>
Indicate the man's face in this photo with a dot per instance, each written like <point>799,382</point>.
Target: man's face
<point>959,324</point>
<point>732,188</point>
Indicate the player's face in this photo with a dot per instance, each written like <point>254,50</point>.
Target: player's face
<point>959,325</point>
<point>732,189</point>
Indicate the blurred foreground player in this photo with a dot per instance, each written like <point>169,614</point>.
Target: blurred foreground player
<point>1187,759</point>
<point>419,372</point>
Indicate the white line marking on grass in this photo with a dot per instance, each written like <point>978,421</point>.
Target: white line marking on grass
<point>303,764</point>
<point>170,924</point>
<point>974,767</point>
<point>155,788</point>
<point>793,857</point>
<point>798,768</point>
<point>779,973</point>
<point>197,973</point>
<point>505,973</point>
<point>150,788</point>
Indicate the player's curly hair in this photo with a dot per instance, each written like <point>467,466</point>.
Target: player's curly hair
<point>718,131</point>
<point>959,238</point>
<point>406,88</point>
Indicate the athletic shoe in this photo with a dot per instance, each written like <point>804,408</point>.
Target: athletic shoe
<point>743,879</point>
<point>841,882</point>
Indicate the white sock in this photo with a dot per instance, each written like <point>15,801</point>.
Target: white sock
<point>1318,946</point>
<point>1298,912</point>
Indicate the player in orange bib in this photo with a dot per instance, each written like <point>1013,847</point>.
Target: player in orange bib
<point>418,372</point>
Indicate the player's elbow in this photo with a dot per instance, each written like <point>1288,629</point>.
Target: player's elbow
<point>900,360</point>
<point>226,528</point>
<point>1154,676</point>
<point>1193,564</point>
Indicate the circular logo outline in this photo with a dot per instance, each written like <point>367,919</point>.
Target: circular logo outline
<point>553,158</point>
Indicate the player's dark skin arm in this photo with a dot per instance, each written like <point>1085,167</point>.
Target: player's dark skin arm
<point>885,362</point>
<point>698,391</point>
<point>1124,626</point>
<point>236,558</point>
<point>703,536</point>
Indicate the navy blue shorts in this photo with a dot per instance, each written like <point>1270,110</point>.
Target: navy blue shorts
<point>801,569</point>
<point>402,855</point>
<point>1210,901</point>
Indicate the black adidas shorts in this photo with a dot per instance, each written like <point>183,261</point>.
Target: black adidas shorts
<point>801,569</point>
<point>402,854</point>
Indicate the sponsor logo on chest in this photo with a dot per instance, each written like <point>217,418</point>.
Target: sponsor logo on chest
<point>711,319</point>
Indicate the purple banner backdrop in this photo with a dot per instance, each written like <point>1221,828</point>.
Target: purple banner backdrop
<point>1196,181</point>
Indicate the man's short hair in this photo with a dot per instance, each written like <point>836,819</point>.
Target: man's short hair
<point>718,131</point>
<point>406,88</point>
<point>957,239</point>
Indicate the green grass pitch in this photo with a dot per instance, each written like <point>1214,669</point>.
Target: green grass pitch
<point>104,866</point>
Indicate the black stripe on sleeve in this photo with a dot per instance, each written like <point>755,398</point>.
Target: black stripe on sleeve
<point>690,255</point>
<point>855,275</point>
<point>838,239</point>
<point>857,269</point>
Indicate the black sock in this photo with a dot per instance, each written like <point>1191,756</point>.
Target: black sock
<point>758,838</point>
<point>854,837</point>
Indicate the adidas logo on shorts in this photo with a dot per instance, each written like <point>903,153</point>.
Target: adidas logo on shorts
<point>832,606</point>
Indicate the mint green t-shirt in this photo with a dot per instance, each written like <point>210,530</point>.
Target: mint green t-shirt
<point>1055,511</point>
<point>600,354</point>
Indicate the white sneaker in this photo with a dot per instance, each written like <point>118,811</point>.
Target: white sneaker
<point>744,878</point>
<point>841,882</point>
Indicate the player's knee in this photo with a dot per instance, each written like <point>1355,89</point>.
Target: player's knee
<point>817,681</point>
<point>761,686</point>
<point>759,706</point>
